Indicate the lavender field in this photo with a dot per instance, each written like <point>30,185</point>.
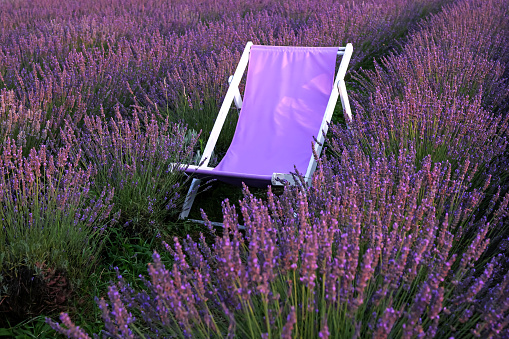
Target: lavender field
<point>404,232</point>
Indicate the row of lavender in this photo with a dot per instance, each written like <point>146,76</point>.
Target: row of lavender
<point>64,61</point>
<point>67,171</point>
<point>391,240</point>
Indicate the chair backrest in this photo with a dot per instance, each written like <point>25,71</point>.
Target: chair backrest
<point>286,94</point>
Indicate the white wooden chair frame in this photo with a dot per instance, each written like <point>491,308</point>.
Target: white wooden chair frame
<point>233,95</point>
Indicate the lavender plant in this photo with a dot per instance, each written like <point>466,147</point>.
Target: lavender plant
<point>374,248</point>
<point>461,51</point>
<point>50,223</point>
<point>445,93</point>
<point>68,60</point>
<point>140,159</point>
<point>23,125</point>
<point>448,127</point>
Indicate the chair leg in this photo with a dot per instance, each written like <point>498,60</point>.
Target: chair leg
<point>191,195</point>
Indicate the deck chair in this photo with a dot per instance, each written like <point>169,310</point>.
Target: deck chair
<point>289,99</point>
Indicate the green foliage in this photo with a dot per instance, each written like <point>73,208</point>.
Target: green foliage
<point>52,227</point>
<point>141,160</point>
<point>32,328</point>
<point>130,254</point>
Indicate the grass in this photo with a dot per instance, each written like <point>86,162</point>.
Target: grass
<point>32,328</point>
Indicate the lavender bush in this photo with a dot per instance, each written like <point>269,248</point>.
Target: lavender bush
<point>68,61</point>
<point>23,125</point>
<point>139,159</point>
<point>448,128</point>
<point>445,93</point>
<point>50,222</point>
<point>377,250</point>
<point>461,51</point>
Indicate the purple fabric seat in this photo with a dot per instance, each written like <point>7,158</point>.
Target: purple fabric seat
<point>286,93</point>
